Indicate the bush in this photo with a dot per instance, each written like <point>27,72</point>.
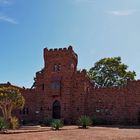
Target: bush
<point>98,121</point>
<point>2,124</point>
<point>14,123</point>
<point>84,121</point>
<point>56,124</point>
<point>47,121</point>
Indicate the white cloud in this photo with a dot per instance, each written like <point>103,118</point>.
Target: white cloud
<point>4,17</point>
<point>8,19</point>
<point>123,12</point>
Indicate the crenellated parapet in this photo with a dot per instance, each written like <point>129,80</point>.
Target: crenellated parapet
<point>60,52</point>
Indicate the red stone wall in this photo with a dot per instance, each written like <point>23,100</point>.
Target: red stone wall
<point>77,95</point>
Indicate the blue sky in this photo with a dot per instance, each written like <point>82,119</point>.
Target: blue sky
<point>95,28</point>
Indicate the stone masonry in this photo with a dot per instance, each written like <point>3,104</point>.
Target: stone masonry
<point>61,91</point>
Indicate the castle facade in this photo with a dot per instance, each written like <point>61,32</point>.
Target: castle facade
<point>62,92</point>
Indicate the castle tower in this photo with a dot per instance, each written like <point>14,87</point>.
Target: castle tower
<point>62,60</point>
<point>54,82</point>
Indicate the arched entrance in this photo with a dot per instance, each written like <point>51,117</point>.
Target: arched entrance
<point>56,114</point>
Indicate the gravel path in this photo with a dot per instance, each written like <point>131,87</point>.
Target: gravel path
<point>73,133</point>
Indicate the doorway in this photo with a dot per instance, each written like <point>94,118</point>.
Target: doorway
<point>56,114</point>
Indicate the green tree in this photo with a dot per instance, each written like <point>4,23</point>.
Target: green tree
<point>10,99</point>
<point>110,72</point>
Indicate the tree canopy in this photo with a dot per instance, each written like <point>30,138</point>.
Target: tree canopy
<point>10,99</point>
<point>110,72</point>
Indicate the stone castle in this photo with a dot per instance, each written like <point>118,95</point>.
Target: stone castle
<point>62,92</point>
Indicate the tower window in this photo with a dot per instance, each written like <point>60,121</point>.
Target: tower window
<point>57,68</point>
<point>55,85</point>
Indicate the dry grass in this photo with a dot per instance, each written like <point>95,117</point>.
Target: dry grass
<point>73,133</point>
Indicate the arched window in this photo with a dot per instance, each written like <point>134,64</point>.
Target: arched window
<point>55,85</point>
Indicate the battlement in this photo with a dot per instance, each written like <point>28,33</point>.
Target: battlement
<point>63,55</point>
<point>60,51</point>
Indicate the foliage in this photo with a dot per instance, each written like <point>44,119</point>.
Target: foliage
<point>99,121</point>
<point>14,123</point>
<point>10,99</point>
<point>84,121</point>
<point>2,123</point>
<point>47,121</point>
<point>56,124</point>
<point>109,72</point>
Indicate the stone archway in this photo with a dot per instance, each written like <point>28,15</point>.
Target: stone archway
<point>56,110</point>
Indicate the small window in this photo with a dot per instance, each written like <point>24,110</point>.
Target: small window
<point>24,111</point>
<point>57,68</point>
<point>97,110</point>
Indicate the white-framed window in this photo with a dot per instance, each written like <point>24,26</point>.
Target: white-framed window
<point>56,67</point>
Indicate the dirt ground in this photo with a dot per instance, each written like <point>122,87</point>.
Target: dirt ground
<point>73,133</point>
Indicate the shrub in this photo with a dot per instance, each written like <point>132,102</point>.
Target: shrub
<point>47,121</point>
<point>98,121</point>
<point>56,124</point>
<point>14,123</point>
<point>84,121</point>
<point>2,123</point>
